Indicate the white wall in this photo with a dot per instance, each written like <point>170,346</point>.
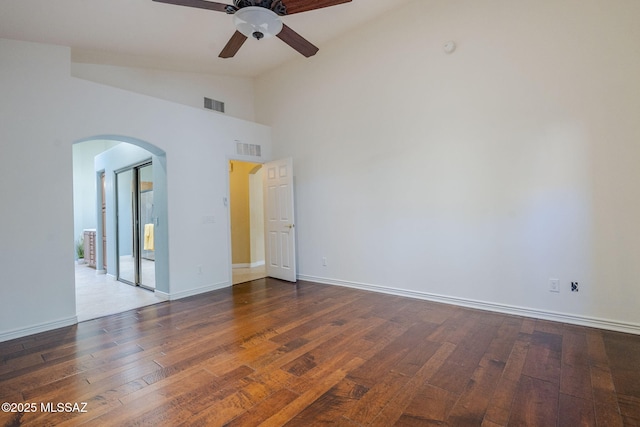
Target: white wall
<point>43,111</point>
<point>181,87</point>
<point>473,177</point>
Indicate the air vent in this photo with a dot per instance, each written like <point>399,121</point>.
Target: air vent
<point>212,104</point>
<point>244,149</point>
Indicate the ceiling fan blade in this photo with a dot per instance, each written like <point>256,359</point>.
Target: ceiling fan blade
<point>297,42</point>
<point>297,6</point>
<point>201,4</point>
<point>233,45</point>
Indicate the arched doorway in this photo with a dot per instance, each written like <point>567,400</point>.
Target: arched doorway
<point>98,161</point>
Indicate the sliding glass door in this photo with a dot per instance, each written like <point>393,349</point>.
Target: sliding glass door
<point>126,226</point>
<point>136,220</point>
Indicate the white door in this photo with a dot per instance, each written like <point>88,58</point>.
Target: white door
<point>280,231</point>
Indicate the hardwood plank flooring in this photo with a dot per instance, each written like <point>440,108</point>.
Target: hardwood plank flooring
<point>272,353</point>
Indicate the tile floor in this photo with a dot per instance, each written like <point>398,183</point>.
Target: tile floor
<point>99,295</point>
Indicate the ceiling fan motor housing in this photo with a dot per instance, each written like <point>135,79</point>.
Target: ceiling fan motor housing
<point>276,5</point>
<point>257,22</point>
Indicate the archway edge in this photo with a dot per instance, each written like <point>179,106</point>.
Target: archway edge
<point>128,139</point>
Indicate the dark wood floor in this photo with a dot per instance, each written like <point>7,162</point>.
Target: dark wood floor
<point>307,354</point>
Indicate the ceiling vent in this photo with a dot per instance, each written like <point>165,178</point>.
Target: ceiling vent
<point>212,104</point>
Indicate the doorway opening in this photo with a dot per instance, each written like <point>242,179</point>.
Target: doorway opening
<point>246,205</point>
<point>95,163</point>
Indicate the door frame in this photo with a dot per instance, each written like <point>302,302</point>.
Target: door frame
<point>226,200</point>
<point>227,205</point>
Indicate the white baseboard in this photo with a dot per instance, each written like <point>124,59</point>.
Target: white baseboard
<point>196,291</point>
<point>162,295</point>
<point>248,265</point>
<point>36,329</point>
<point>242,265</point>
<point>573,319</point>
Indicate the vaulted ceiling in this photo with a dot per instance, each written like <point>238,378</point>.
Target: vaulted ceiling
<point>144,33</point>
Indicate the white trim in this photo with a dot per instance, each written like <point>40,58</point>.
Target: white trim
<point>162,295</point>
<point>36,329</point>
<point>196,291</point>
<point>247,265</point>
<point>574,319</point>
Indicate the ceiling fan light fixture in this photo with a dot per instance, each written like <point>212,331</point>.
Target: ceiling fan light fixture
<point>257,22</point>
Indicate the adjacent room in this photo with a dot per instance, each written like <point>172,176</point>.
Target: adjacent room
<point>246,214</point>
<point>114,213</point>
<point>349,212</point>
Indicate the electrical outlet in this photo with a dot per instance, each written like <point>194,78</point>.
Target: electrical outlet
<point>324,261</point>
<point>574,287</point>
<point>554,285</point>
<point>199,269</point>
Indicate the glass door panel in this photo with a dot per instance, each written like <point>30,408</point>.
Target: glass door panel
<point>147,227</point>
<point>125,202</point>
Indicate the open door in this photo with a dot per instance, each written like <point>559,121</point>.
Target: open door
<point>280,231</point>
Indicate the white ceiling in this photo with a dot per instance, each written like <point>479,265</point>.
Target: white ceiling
<point>144,33</point>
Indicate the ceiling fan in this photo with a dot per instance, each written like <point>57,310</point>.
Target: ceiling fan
<point>260,19</point>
